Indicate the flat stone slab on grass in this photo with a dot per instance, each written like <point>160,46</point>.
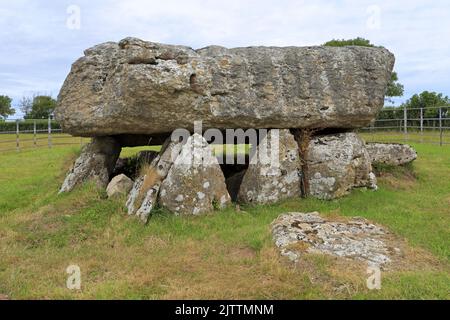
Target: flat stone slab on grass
<point>355,238</point>
<point>391,154</point>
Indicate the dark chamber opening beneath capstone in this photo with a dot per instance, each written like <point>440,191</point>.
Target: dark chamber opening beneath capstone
<point>233,166</point>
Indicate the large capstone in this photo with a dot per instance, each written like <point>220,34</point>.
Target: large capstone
<point>138,87</point>
<point>95,163</point>
<point>337,163</point>
<point>274,170</point>
<point>393,154</point>
<point>195,183</point>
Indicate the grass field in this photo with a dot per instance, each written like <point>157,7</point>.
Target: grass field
<point>428,136</point>
<point>28,142</point>
<point>226,255</point>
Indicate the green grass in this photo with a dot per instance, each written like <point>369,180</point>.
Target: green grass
<point>224,255</point>
<point>413,136</point>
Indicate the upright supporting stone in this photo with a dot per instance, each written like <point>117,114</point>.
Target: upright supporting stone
<point>275,173</point>
<point>337,163</point>
<point>143,196</point>
<point>195,184</point>
<point>96,162</point>
<point>131,204</point>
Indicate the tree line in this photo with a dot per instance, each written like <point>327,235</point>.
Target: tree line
<point>37,106</point>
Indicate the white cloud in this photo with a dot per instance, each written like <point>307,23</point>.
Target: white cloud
<point>38,48</point>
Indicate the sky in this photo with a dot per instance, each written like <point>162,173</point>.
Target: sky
<point>41,39</point>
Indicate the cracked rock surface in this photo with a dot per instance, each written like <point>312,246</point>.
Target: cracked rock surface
<point>337,163</point>
<point>268,181</point>
<point>294,233</point>
<point>393,154</point>
<point>143,196</point>
<point>140,87</point>
<point>195,183</point>
<point>95,163</point>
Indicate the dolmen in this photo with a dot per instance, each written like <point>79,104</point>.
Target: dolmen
<point>291,111</point>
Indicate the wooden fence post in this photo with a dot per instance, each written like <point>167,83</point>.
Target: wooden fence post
<point>405,123</point>
<point>34,133</point>
<point>421,124</point>
<point>405,120</point>
<point>421,120</point>
<point>440,127</point>
<point>49,132</point>
<point>17,135</point>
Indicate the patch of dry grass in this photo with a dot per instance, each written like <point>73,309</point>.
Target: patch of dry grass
<point>402,177</point>
<point>151,177</point>
<point>226,255</point>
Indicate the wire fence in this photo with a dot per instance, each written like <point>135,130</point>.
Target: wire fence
<point>26,134</point>
<point>419,125</point>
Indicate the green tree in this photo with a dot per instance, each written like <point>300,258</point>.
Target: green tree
<point>429,101</point>
<point>5,107</point>
<point>394,88</point>
<point>38,106</point>
<point>349,42</point>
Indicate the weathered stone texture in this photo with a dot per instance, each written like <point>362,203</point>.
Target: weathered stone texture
<point>138,87</point>
<point>143,196</point>
<point>336,164</point>
<point>96,163</point>
<point>393,154</point>
<point>356,238</point>
<point>273,173</point>
<point>119,186</point>
<point>195,183</point>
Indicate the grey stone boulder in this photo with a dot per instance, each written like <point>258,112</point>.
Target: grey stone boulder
<point>119,186</point>
<point>274,171</point>
<point>393,154</point>
<point>95,163</point>
<point>336,164</point>
<point>137,87</point>
<point>195,183</point>
<point>143,196</point>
